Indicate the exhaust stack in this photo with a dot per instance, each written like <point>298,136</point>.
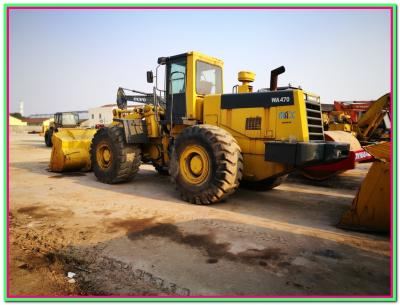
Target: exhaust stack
<point>273,85</point>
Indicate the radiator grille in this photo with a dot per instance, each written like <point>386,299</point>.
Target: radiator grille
<point>314,118</point>
<point>253,123</point>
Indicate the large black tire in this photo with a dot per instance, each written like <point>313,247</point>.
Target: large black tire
<point>223,167</point>
<point>124,160</point>
<point>263,185</point>
<point>47,137</point>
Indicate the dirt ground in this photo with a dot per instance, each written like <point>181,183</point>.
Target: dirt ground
<point>139,238</point>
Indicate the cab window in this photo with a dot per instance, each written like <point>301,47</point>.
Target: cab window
<point>208,78</point>
<point>69,119</point>
<point>178,76</point>
<point>57,119</point>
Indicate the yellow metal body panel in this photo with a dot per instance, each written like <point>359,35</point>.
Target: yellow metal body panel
<point>194,100</point>
<point>255,168</point>
<point>146,112</point>
<point>252,142</point>
<point>153,127</point>
<point>158,143</point>
<point>70,149</point>
<point>245,88</point>
<point>295,129</point>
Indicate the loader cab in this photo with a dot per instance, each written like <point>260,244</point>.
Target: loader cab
<point>190,77</point>
<point>66,119</point>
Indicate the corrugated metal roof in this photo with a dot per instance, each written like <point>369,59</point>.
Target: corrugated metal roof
<point>34,120</point>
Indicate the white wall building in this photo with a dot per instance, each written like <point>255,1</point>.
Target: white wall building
<point>104,114</point>
<point>101,115</point>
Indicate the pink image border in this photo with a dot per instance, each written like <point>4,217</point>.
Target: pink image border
<point>9,8</point>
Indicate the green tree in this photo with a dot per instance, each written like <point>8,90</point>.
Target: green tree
<point>17,115</point>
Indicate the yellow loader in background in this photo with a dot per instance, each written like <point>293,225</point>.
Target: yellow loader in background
<point>60,120</point>
<point>70,143</point>
<point>210,142</point>
<point>372,126</point>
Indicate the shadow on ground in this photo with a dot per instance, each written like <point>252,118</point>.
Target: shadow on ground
<point>151,257</point>
<point>290,203</point>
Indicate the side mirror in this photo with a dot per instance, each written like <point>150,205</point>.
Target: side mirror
<point>150,77</point>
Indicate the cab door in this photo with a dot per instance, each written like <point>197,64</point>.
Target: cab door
<point>176,89</point>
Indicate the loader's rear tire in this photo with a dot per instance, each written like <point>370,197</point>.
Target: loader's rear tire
<point>206,164</point>
<point>263,185</point>
<point>47,137</point>
<point>113,160</point>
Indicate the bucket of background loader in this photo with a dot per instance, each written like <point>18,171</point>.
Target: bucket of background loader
<point>70,151</point>
<point>370,210</point>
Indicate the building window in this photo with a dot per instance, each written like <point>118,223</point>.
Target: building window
<point>92,116</point>
<point>99,115</point>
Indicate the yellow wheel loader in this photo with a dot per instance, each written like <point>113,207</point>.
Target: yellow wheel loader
<point>70,143</point>
<point>61,120</point>
<point>210,142</point>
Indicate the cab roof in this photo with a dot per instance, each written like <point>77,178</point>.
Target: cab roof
<point>197,54</point>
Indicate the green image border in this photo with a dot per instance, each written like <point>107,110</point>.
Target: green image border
<point>391,298</point>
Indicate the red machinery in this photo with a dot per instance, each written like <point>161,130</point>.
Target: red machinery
<point>353,109</point>
<point>366,116</point>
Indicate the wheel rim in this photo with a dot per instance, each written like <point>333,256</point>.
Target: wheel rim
<point>194,163</point>
<point>104,155</point>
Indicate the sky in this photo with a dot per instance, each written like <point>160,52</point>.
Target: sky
<point>65,60</point>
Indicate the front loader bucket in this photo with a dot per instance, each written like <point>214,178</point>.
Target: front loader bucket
<point>70,150</point>
<point>370,210</point>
